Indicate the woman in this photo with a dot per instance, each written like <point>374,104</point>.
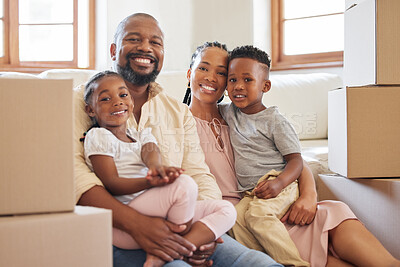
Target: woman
<point>334,237</point>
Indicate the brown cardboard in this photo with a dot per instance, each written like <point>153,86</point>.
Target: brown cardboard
<point>364,131</point>
<point>372,41</point>
<point>374,201</point>
<point>36,151</point>
<point>79,238</point>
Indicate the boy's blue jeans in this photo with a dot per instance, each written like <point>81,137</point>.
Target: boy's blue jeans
<point>229,254</point>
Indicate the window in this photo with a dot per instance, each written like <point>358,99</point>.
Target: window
<point>40,34</point>
<point>307,33</point>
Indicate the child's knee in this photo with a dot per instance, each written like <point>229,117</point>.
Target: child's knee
<point>229,211</point>
<point>186,185</point>
<point>188,182</point>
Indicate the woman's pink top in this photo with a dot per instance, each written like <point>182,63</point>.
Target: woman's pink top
<point>220,161</point>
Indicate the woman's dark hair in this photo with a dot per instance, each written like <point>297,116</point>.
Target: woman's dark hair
<point>199,49</point>
<point>89,89</point>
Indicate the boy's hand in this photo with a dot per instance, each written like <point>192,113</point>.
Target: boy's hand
<point>162,175</point>
<point>268,188</point>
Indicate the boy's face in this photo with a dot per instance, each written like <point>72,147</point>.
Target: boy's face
<point>247,82</point>
<point>111,103</point>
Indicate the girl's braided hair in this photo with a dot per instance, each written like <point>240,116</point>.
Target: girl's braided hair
<point>89,89</point>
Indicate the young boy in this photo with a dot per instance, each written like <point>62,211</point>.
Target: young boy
<point>267,158</point>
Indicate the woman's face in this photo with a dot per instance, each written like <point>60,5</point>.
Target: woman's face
<point>208,75</point>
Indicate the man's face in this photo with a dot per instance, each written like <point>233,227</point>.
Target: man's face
<point>139,51</point>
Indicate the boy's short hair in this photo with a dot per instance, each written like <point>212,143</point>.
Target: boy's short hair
<point>249,51</point>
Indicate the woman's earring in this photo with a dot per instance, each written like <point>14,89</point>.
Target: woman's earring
<point>186,99</point>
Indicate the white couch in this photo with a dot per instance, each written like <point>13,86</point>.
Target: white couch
<point>302,98</point>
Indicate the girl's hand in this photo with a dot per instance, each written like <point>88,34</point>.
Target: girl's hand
<point>162,175</point>
<point>173,173</point>
<point>268,189</point>
<point>302,211</point>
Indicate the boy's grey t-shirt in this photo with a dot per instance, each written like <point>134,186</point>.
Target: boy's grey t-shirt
<point>259,142</point>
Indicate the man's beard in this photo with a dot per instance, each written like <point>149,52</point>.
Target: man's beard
<point>136,78</point>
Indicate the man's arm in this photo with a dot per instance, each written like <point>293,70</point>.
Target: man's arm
<point>158,239</point>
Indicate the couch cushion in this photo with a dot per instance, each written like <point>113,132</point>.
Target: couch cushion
<point>303,99</point>
<point>174,83</point>
<point>17,75</point>
<point>78,76</point>
<point>315,153</point>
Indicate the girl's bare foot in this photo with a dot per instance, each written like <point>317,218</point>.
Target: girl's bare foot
<point>153,261</point>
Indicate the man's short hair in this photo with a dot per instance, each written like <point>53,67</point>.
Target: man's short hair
<point>122,24</point>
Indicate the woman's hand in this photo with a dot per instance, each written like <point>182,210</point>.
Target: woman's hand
<point>302,211</point>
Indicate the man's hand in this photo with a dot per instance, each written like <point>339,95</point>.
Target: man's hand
<point>268,188</point>
<point>162,175</point>
<point>155,235</point>
<point>159,237</point>
<point>302,211</point>
<point>200,256</point>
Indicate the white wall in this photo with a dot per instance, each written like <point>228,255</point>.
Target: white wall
<point>189,23</point>
<point>226,21</point>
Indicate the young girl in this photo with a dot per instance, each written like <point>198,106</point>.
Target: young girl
<point>326,233</point>
<point>117,154</point>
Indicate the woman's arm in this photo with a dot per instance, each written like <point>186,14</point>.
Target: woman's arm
<point>304,209</point>
<point>104,167</point>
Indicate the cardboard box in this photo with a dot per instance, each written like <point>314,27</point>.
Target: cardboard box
<point>79,238</point>
<point>36,150</point>
<point>364,131</point>
<point>374,201</point>
<point>371,43</point>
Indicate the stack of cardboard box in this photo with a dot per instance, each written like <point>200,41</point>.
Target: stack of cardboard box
<point>364,121</point>
<point>39,223</point>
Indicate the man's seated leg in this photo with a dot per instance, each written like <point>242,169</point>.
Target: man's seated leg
<point>233,254</point>
<point>136,258</point>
